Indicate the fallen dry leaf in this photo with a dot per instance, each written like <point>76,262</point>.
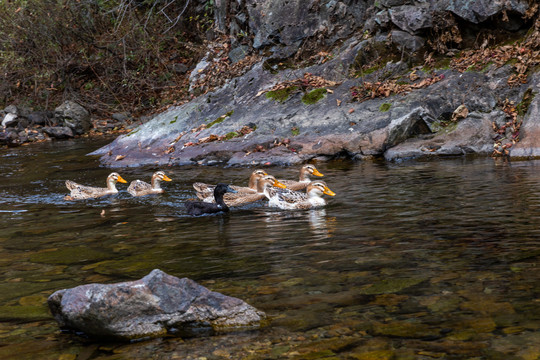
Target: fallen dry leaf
<point>119,157</point>
<point>460,113</point>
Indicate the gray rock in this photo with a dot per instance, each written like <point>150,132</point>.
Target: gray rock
<point>238,53</point>
<point>471,136</point>
<point>121,117</point>
<point>529,146</point>
<point>58,132</point>
<point>284,25</point>
<point>479,11</point>
<point>198,73</point>
<point>180,68</point>
<point>407,42</point>
<point>153,306</point>
<point>39,118</point>
<point>10,119</point>
<point>411,18</point>
<point>382,18</point>
<point>391,3</point>
<point>9,137</point>
<point>74,116</point>
<point>11,109</point>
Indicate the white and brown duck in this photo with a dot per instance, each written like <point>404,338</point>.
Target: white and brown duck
<point>290,199</point>
<point>81,192</point>
<point>141,188</point>
<point>304,179</point>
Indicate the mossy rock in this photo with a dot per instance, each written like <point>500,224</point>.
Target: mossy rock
<point>231,135</point>
<point>443,127</point>
<point>281,95</point>
<point>313,96</point>
<point>220,119</point>
<point>525,102</point>
<point>385,107</point>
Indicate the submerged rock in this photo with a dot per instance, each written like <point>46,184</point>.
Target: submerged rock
<point>153,306</point>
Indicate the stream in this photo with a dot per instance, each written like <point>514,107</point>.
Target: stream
<point>414,260</point>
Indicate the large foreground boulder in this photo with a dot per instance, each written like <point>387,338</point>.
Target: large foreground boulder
<point>153,306</point>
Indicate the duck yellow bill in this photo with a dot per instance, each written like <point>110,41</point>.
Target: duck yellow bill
<point>166,178</point>
<point>317,173</point>
<point>327,191</point>
<point>121,179</point>
<point>279,185</point>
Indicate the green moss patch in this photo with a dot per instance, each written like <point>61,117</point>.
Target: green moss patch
<point>281,95</point>
<point>384,107</point>
<point>231,135</point>
<point>444,126</point>
<point>313,96</point>
<point>220,119</point>
<point>523,106</point>
<point>295,131</point>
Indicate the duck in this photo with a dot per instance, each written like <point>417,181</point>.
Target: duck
<point>240,199</point>
<point>290,199</point>
<point>81,192</point>
<point>304,179</point>
<point>201,207</point>
<point>206,191</point>
<point>140,188</point>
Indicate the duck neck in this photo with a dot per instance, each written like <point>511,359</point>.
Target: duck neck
<point>253,182</point>
<point>261,186</point>
<point>304,175</point>
<point>220,202</point>
<point>111,186</point>
<point>266,189</point>
<point>156,184</point>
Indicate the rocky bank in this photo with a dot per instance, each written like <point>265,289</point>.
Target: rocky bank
<point>385,79</point>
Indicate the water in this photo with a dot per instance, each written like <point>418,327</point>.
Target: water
<point>418,260</point>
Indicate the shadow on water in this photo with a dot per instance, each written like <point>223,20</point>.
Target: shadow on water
<point>416,260</point>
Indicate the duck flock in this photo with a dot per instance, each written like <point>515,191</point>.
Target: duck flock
<point>283,194</point>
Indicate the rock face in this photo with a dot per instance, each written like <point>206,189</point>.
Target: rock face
<point>74,116</point>
<point>150,307</point>
<point>243,123</point>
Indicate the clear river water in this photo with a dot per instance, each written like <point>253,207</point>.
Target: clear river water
<point>412,260</point>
